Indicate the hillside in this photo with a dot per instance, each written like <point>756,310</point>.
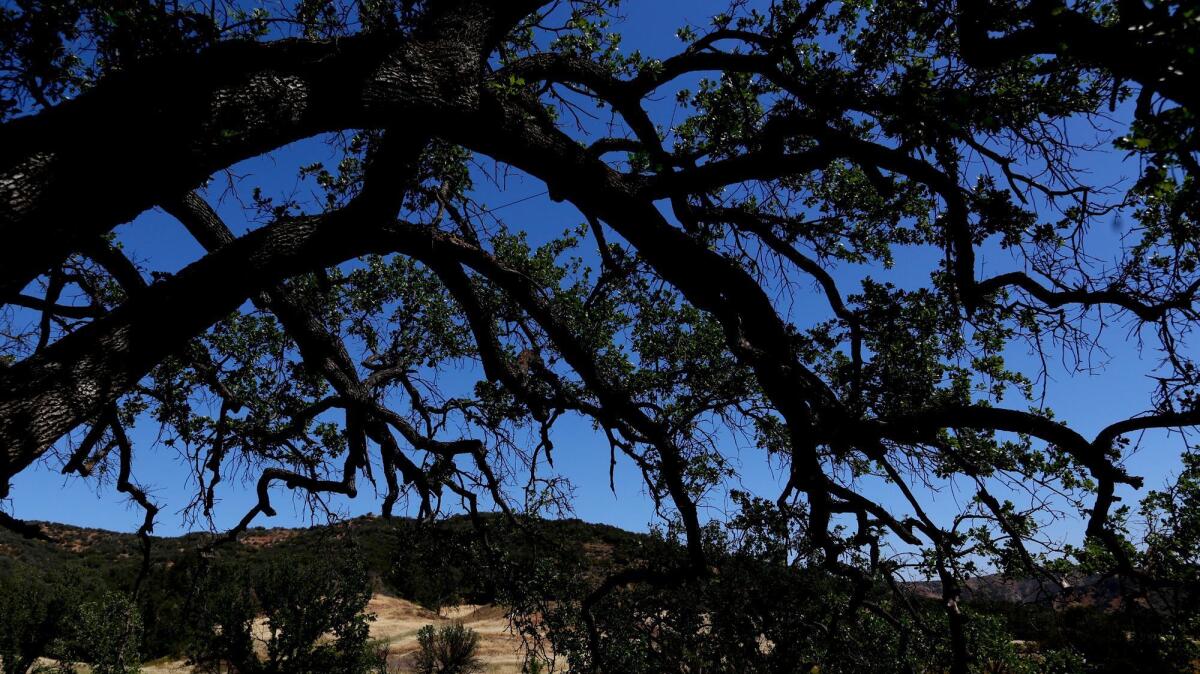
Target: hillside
<point>430,574</point>
<point>421,567</point>
<point>1103,592</point>
<point>110,557</point>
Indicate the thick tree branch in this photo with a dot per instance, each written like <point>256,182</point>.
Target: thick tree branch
<point>46,395</point>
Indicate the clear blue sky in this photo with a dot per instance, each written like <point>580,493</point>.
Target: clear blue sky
<point>1087,402</point>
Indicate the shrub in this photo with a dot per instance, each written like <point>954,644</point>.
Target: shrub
<point>534,665</point>
<point>375,657</point>
<point>448,650</point>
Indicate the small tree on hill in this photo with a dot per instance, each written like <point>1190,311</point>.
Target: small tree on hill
<point>437,568</point>
<point>106,634</point>
<point>31,615</point>
<point>313,619</point>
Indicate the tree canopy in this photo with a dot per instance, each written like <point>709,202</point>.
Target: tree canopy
<point>787,148</point>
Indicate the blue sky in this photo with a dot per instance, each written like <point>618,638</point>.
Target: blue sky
<point>1088,402</point>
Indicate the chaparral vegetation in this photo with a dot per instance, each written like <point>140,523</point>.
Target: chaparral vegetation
<point>861,246</point>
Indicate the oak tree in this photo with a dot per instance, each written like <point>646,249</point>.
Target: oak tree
<point>787,152</point>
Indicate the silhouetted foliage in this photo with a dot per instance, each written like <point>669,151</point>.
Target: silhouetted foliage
<point>855,244</point>
<point>32,612</point>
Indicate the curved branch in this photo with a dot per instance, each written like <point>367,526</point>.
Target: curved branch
<point>48,394</point>
<point>1146,311</point>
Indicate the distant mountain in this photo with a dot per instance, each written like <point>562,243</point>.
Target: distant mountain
<point>1103,592</point>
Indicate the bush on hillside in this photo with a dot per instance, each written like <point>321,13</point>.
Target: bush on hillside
<point>451,649</point>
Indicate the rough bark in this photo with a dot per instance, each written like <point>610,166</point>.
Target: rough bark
<point>158,130</point>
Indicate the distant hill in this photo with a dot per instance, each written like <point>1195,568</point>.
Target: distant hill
<point>69,542</point>
<point>116,557</point>
<point>113,558</point>
<point>1103,592</point>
